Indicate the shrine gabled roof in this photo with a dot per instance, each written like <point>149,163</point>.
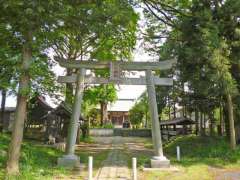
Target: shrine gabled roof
<point>62,109</point>
<point>43,102</point>
<point>64,106</point>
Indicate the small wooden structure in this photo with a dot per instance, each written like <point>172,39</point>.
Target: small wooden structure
<point>57,121</point>
<point>176,126</point>
<point>37,109</point>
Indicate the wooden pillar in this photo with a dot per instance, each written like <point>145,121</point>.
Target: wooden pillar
<point>73,126</point>
<point>156,134</point>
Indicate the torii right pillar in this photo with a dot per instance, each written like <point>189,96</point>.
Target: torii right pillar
<point>158,160</point>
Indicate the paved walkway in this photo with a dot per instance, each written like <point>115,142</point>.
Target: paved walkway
<point>115,167</point>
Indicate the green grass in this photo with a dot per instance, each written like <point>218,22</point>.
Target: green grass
<point>198,156</point>
<point>97,158</point>
<point>36,162</point>
<point>88,139</point>
<point>213,151</point>
<point>39,162</point>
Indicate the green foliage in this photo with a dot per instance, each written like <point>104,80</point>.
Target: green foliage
<point>203,36</point>
<point>102,31</point>
<point>30,32</point>
<point>139,111</point>
<point>87,139</point>
<point>108,126</point>
<point>101,93</point>
<point>104,126</point>
<point>43,79</point>
<point>136,115</point>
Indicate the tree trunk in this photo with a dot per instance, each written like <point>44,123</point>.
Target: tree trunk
<point>197,121</point>
<point>20,114</point>
<point>169,109</point>
<point>226,119</point>
<point>221,120</point>
<point>104,116</point>
<point>212,123</point>
<point>204,124</point>
<point>4,95</point>
<point>183,110</point>
<point>69,90</point>
<point>146,119</point>
<point>201,124</point>
<point>231,122</point>
<point>174,110</point>
<point>78,135</point>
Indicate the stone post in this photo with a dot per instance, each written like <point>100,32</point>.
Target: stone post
<point>70,159</point>
<point>178,153</point>
<point>159,160</point>
<point>134,168</point>
<point>90,168</point>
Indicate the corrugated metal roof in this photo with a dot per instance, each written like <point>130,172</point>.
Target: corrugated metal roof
<point>177,121</point>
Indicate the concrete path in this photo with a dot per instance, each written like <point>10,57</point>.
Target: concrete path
<point>115,167</point>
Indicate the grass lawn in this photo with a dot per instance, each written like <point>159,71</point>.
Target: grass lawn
<point>39,162</point>
<point>36,162</point>
<point>202,158</point>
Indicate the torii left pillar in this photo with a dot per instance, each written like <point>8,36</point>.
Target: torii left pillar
<point>70,160</point>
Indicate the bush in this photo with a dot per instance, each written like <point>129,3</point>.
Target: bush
<point>136,115</point>
<point>105,126</point>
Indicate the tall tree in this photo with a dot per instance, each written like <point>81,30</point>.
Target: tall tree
<point>28,31</point>
<point>204,41</point>
<point>103,31</point>
<point>101,95</point>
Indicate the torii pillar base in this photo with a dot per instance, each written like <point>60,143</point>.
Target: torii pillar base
<point>69,161</point>
<point>160,162</point>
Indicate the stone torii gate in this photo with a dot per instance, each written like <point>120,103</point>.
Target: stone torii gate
<point>80,78</point>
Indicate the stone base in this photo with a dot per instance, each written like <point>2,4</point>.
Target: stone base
<point>69,161</point>
<point>160,162</point>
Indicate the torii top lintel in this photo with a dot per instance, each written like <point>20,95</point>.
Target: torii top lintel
<point>124,65</point>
